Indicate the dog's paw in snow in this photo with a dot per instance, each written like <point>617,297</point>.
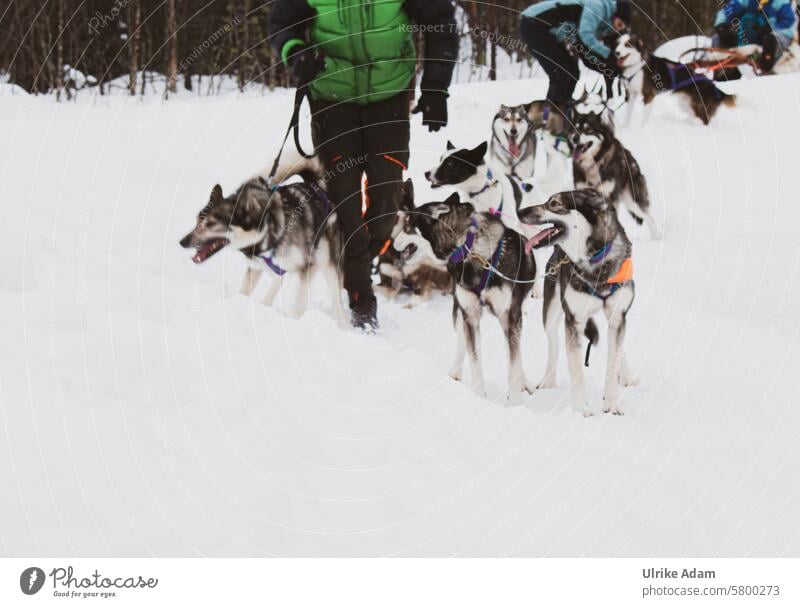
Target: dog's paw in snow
<point>479,390</point>
<point>627,380</point>
<point>613,409</point>
<point>547,383</point>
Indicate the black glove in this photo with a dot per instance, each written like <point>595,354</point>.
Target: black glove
<point>726,35</point>
<point>306,64</point>
<point>433,105</point>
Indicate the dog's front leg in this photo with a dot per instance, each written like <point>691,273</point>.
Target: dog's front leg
<point>626,376</point>
<point>575,363</point>
<point>272,291</point>
<point>301,296</point>
<point>552,316</point>
<point>250,280</point>
<point>512,324</point>
<point>471,313</point>
<point>616,339</point>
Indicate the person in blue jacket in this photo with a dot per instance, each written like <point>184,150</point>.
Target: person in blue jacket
<point>560,32</point>
<point>768,23</point>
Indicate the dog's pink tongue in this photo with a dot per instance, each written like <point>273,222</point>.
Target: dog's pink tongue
<point>513,148</point>
<point>197,258</point>
<point>537,238</point>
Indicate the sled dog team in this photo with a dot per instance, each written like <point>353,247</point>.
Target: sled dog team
<point>508,230</point>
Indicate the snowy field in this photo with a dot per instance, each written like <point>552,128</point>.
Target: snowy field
<point>147,409</point>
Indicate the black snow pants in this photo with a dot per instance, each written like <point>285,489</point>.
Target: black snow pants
<point>355,141</point>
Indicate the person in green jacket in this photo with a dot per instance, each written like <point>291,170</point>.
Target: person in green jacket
<point>359,61</point>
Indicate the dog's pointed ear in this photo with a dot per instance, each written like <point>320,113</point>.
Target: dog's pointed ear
<point>450,145</point>
<point>591,197</point>
<point>453,199</point>
<point>437,210</point>
<point>216,195</point>
<point>407,197</point>
<point>479,153</point>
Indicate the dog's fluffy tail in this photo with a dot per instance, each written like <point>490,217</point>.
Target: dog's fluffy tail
<point>292,163</point>
<point>731,101</point>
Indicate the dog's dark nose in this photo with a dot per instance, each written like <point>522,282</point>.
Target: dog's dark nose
<point>514,132</point>
<point>186,241</point>
<point>428,175</point>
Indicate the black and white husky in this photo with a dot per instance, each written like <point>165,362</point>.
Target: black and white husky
<point>287,229</point>
<point>513,144</point>
<point>603,163</point>
<point>590,271</point>
<point>648,75</point>
<point>478,250</point>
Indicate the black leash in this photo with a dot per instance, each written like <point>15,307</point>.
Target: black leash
<point>294,125</point>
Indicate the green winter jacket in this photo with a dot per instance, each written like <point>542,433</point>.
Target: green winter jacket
<point>368,44</point>
<point>368,47</point>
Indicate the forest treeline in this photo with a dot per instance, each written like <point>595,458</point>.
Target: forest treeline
<point>63,46</point>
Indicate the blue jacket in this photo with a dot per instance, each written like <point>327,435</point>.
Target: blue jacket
<point>593,20</point>
<point>779,15</point>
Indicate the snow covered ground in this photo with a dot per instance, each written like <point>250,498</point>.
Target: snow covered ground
<point>145,408</point>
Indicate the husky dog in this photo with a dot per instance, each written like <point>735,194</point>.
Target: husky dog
<point>285,229</point>
<point>603,163</point>
<point>415,267</point>
<point>478,249</point>
<point>513,145</point>
<point>591,270</point>
<point>648,75</point>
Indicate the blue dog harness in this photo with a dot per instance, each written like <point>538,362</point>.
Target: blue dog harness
<point>462,252</point>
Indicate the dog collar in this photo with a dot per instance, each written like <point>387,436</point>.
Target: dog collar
<point>461,253</point>
<point>490,182</point>
<point>640,69</point>
<point>267,259</point>
<point>601,254</point>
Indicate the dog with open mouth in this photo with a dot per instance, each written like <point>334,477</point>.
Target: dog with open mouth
<point>591,270</point>
<point>513,143</point>
<point>288,229</point>
<point>601,162</point>
<point>414,268</point>
<point>648,75</point>
<point>490,269</point>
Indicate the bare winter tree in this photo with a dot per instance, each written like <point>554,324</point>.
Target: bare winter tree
<point>172,48</point>
<point>134,37</point>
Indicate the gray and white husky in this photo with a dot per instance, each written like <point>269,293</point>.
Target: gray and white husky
<point>513,144</point>
<point>477,249</point>
<point>590,271</point>
<point>290,229</point>
<point>601,162</point>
